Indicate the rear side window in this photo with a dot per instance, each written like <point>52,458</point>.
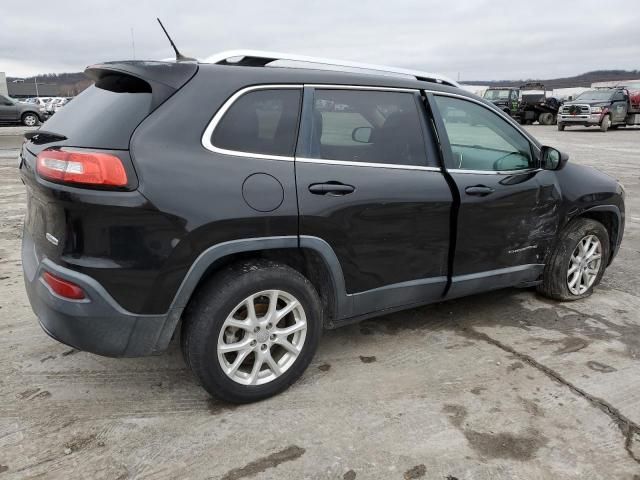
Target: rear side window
<point>105,114</point>
<point>262,121</point>
<point>367,126</point>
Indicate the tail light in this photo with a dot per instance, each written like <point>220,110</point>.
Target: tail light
<point>87,168</point>
<point>62,287</point>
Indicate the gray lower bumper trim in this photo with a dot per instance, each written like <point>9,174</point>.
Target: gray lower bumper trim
<point>97,324</point>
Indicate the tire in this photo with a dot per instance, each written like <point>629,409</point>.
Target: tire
<point>30,119</point>
<point>557,273</point>
<point>561,127</point>
<point>605,124</point>
<point>545,118</point>
<point>225,298</point>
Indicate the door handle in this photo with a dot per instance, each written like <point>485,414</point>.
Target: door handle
<point>479,190</point>
<point>331,188</point>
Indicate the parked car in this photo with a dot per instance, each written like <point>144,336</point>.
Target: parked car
<point>63,101</point>
<point>55,104</point>
<point>604,107</point>
<point>12,111</point>
<point>294,200</point>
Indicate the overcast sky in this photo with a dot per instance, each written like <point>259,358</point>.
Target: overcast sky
<point>476,39</point>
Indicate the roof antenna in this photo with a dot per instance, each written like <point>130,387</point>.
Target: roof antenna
<point>179,56</point>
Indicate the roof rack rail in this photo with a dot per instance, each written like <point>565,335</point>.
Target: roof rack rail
<point>258,58</point>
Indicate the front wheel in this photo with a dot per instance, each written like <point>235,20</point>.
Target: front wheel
<point>30,119</point>
<point>578,262</point>
<point>251,331</point>
<point>561,127</point>
<point>605,124</point>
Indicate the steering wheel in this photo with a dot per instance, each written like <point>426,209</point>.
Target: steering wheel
<point>497,164</point>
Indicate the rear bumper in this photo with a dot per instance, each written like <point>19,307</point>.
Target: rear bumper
<point>96,324</point>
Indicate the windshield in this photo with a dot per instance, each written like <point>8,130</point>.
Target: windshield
<point>591,95</point>
<point>496,94</point>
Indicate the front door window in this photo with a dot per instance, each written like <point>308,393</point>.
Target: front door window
<point>482,140</point>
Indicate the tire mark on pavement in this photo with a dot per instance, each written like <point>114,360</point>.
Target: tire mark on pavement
<point>290,453</point>
<point>629,429</point>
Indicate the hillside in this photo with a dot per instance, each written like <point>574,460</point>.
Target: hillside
<point>68,84</point>
<point>583,80</point>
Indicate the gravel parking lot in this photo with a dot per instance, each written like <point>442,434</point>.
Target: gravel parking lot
<point>502,385</point>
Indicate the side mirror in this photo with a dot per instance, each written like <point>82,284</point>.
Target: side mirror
<point>553,159</point>
<point>361,134</point>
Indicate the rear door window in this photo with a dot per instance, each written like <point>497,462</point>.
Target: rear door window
<point>367,126</point>
<point>263,122</point>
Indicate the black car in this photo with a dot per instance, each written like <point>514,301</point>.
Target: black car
<point>13,111</point>
<point>256,206</point>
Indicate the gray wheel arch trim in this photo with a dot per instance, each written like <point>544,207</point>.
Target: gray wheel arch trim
<point>221,250</point>
<point>619,217</point>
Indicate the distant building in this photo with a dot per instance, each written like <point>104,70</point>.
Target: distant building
<point>568,94</point>
<point>3,84</point>
<point>28,90</point>
<point>477,89</point>
<point>613,84</point>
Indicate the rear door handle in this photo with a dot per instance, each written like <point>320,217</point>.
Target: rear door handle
<point>479,190</point>
<point>331,188</point>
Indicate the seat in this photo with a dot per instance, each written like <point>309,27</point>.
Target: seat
<point>399,140</point>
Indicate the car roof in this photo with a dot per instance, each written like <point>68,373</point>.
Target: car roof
<point>250,75</point>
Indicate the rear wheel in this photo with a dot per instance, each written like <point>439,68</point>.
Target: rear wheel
<point>605,124</point>
<point>251,331</point>
<point>578,262</point>
<point>545,118</point>
<point>30,119</point>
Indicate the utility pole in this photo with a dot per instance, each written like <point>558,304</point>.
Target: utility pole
<point>133,44</point>
<point>35,82</point>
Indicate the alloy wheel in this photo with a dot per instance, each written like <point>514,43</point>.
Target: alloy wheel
<point>30,120</point>
<point>262,337</point>
<point>584,265</point>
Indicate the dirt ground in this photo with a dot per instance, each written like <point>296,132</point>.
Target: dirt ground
<point>503,385</point>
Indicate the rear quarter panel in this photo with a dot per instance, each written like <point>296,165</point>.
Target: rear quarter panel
<point>199,192</point>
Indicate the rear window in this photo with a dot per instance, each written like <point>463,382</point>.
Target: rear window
<point>104,115</point>
<point>262,121</point>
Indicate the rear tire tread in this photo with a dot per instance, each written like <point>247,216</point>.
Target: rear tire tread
<point>208,305</point>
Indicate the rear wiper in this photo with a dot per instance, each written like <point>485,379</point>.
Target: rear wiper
<point>42,136</point>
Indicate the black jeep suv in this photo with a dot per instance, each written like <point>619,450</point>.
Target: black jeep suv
<point>258,205</point>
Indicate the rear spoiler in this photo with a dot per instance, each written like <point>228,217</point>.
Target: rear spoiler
<point>163,78</point>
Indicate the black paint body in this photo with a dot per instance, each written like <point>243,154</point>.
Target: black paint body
<point>402,238</point>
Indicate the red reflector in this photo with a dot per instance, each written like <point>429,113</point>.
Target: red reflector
<point>89,168</point>
<point>64,288</point>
